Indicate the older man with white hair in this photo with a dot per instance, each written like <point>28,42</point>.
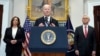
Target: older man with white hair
<point>46,20</point>
<point>85,44</point>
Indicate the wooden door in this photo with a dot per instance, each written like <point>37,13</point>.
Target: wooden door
<point>1,14</point>
<point>97,27</point>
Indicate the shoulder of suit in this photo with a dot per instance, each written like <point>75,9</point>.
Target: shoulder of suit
<point>79,26</point>
<point>20,27</point>
<point>40,18</point>
<point>8,28</point>
<point>91,27</point>
<point>53,19</point>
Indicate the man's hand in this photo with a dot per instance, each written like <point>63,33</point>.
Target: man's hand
<point>77,52</point>
<point>52,25</point>
<point>41,25</point>
<point>13,41</point>
<point>93,53</point>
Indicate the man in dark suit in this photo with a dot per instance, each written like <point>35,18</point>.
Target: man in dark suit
<point>85,39</point>
<point>46,20</point>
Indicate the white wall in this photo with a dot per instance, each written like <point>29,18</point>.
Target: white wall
<point>78,8</point>
<point>76,12</point>
<point>19,9</point>
<point>90,10</point>
<point>5,4</point>
<point>10,11</point>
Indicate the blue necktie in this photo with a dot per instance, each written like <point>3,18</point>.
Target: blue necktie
<point>46,21</point>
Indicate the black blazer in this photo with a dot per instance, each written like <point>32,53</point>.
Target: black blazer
<point>20,37</point>
<point>41,20</point>
<point>83,44</point>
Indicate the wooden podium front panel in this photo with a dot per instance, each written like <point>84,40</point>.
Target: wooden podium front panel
<point>48,54</point>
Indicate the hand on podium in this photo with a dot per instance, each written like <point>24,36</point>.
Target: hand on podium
<point>52,25</point>
<point>77,52</point>
<point>41,25</point>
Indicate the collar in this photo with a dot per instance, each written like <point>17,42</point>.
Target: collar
<point>47,17</point>
<point>85,25</point>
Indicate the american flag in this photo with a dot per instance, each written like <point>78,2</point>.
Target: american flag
<point>27,28</point>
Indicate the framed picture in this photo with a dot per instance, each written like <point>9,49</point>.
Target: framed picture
<point>59,9</point>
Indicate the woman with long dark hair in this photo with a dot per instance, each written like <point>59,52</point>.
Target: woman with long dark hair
<point>14,36</point>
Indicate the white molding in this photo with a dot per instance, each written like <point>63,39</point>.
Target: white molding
<point>4,24</point>
<point>90,11</point>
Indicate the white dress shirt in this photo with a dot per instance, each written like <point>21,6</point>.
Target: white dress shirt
<point>48,18</point>
<point>14,31</point>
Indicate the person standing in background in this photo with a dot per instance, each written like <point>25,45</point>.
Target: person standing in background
<point>85,43</point>
<point>14,36</point>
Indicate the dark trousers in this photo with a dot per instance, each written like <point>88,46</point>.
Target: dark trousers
<point>13,50</point>
<point>13,53</point>
<point>70,53</point>
<point>85,55</point>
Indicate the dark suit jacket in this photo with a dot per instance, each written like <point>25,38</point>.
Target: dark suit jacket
<point>20,37</point>
<point>85,45</point>
<point>41,20</point>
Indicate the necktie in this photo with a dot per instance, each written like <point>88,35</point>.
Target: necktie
<point>46,22</point>
<point>85,32</point>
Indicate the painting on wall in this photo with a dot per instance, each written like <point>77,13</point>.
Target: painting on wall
<point>59,9</point>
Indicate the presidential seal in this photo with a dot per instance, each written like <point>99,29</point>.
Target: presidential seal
<point>48,37</point>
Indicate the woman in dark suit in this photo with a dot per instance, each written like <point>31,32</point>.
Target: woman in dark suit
<point>14,36</point>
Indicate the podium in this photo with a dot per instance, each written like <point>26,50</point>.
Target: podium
<point>40,48</point>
